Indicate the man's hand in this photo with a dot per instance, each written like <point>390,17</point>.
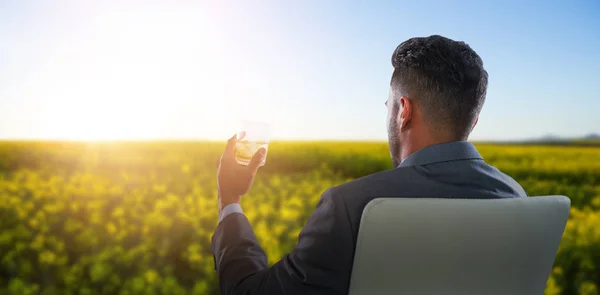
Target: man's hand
<point>234,180</point>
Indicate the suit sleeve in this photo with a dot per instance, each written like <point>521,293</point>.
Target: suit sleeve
<point>320,263</point>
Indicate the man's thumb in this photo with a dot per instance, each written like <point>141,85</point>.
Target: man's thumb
<point>257,159</point>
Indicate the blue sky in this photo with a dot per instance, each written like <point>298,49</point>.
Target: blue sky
<point>314,69</point>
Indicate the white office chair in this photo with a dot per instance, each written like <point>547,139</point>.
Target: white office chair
<point>458,246</point>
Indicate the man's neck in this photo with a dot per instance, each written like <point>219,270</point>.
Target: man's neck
<point>415,144</point>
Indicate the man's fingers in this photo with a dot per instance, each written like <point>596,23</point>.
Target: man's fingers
<point>230,148</point>
<point>257,160</point>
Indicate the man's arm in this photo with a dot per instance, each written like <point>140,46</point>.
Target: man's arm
<point>320,263</point>
<point>229,209</point>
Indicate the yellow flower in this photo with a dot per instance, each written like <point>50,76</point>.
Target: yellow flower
<point>151,276</point>
<point>111,228</point>
<point>47,257</point>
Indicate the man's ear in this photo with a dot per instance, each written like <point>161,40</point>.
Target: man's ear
<point>406,112</point>
<point>475,124</point>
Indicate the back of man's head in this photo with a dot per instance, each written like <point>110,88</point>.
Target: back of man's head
<point>445,79</point>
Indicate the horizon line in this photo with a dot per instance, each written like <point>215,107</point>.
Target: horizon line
<point>149,140</point>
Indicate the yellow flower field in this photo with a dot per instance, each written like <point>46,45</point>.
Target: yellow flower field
<point>137,218</point>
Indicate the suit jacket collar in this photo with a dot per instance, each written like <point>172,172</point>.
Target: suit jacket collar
<point>444,152</point>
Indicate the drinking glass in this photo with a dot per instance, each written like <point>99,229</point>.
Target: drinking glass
<point>252,136</point>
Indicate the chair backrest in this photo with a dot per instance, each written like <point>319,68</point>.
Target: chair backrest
<point>458,246</point>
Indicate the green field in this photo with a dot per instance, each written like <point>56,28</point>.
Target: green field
<point>137,218</point>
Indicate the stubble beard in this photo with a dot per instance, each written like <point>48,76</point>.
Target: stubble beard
<point>394,139</point>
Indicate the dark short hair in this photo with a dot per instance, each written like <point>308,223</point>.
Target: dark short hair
<point>445,78</point>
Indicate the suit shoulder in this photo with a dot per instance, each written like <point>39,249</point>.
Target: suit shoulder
<point>510,181</point>
<point>369,184</point>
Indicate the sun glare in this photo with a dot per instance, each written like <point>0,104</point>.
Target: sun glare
<point>137,76</point>
<point>164,72</point>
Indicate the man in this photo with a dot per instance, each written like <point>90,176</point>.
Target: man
<point>437,90</point>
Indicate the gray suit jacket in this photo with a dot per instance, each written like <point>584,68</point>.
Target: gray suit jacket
<point>321,262</point>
